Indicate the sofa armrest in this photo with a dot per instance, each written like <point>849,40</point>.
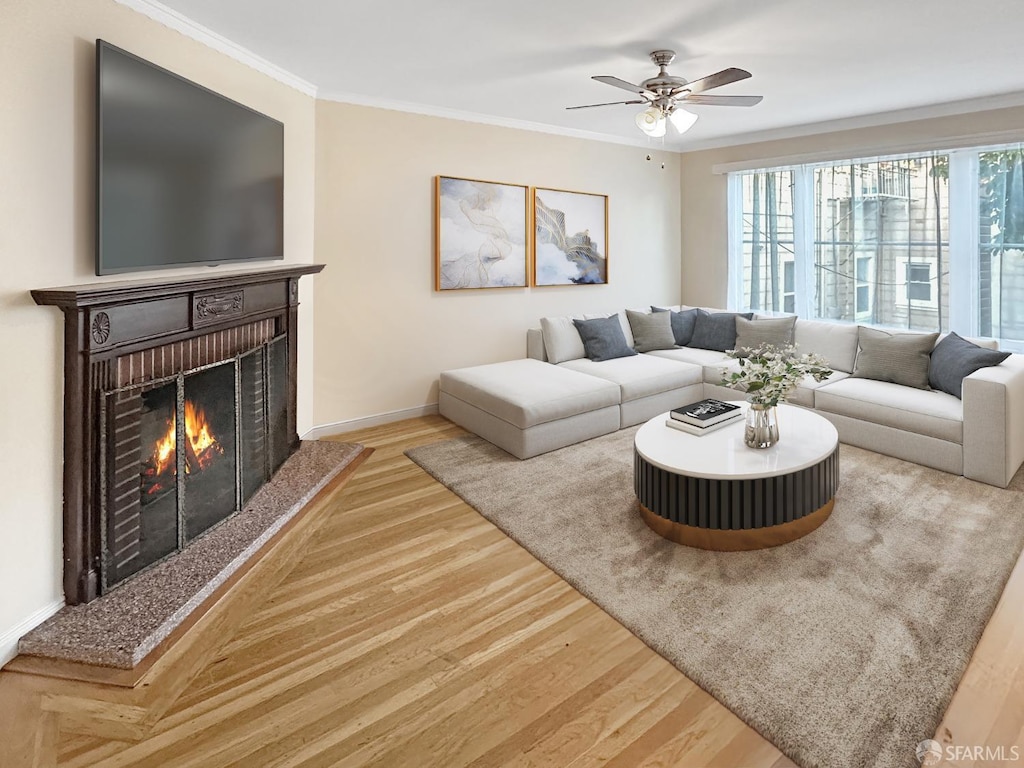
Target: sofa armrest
<point>535,345</point>
<point>994,422</point>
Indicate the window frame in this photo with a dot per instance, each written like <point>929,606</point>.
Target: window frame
<point>962,262</point>
<point>930,299</point>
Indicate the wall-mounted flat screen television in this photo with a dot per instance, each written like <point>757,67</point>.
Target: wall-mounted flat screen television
<point>184,175</point>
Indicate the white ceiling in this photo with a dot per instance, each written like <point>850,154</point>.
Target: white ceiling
<point>521,62</point>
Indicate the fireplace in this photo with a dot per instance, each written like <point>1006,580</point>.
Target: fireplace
<point>179,406</point>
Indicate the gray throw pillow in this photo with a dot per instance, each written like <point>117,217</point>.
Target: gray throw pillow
<point>651,330</point>
<point>954,358</point>
<point>901,358</point>
<point>603,338</point>
<point>682,323</point>
<point>716,330</point>
<point>751,334</point>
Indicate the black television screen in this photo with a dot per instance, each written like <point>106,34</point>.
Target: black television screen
<point>184,175</point>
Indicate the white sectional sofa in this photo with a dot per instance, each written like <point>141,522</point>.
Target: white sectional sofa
<point>557,397</point>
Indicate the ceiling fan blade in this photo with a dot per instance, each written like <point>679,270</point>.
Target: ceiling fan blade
<point>620,83</point>
<point>717,80</point>
<point>608,104</point>
<point>722,101</point>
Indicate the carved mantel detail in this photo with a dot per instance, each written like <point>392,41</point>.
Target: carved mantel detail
<point>212,307</point>
<point>219,304</point>
<point>101,327</point>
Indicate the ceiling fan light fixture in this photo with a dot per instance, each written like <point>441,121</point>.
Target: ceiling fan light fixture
<point>682,120</point>
<point>652,122</point>
<point>662,93</point>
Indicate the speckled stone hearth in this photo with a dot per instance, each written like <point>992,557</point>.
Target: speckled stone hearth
<point>122,627</point>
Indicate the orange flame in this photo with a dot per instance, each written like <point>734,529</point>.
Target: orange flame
<point>197,430</point>
<point>204,447</point>
<point>163,452</point>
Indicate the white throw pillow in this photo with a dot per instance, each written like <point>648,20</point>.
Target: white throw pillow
<point>562,341</point>
<point>836,342</point>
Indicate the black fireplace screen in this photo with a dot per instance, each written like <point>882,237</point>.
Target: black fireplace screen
<point>183,453</point>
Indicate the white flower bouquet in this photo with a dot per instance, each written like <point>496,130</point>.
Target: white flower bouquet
<point>769,374</point>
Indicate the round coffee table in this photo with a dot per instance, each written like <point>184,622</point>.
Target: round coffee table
<point>713,492</point>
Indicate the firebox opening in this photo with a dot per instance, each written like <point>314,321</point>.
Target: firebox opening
<point>147,530</point>
<point>185,452</point>
<point>209,448</point>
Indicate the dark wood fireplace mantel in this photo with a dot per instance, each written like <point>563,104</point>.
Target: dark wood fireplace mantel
<point>108,323</point>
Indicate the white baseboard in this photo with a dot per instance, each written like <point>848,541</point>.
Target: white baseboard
<point>9,639</point>
<point>349,425</point>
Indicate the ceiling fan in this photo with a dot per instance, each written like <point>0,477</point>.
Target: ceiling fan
<point>664,94</point>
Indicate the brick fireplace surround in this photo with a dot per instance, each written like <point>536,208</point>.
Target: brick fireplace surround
<point>120,337</point>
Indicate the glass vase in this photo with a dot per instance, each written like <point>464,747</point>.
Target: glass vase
<point>762,429</point>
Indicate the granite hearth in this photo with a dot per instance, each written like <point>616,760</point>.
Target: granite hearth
<point>120,628</point>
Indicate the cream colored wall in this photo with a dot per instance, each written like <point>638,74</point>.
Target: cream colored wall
<point>47,55</point>
<point>704,211</point>
<point>383,333</point>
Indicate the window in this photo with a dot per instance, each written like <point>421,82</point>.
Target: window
<point>789,286</point>
<point>869,241</point>
<point>863,288</point>
<point>1000,269</point>
<point>870,219</point>
<point>919,282</point>
<point>767,237</point>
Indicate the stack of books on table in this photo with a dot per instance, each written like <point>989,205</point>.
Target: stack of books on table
<point>704,416</point>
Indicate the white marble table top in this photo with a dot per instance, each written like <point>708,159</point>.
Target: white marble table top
<point>805,438</point>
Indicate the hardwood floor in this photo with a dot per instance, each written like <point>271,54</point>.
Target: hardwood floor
<point>412,632</point>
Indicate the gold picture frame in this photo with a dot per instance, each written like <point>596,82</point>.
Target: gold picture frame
<point>565,248</point>
<point>481,234</point>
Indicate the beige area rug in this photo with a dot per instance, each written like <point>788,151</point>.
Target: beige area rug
<point>843,648</point>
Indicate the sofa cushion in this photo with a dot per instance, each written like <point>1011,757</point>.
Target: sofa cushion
<point>805,390</point>
<point>954,358</point>
<point>603,338</point>
<point>651,330</point>
<point>751,334</point>
<point>901,358</point>
<point>716,330</point>
<point>711,360</point>
<point>924,412</point>
<point>528,392</point>
<point>641,375</point>
<point>682,323</point>
<point>561,339</point>
<point>693,355</point>
<point>835,342</point>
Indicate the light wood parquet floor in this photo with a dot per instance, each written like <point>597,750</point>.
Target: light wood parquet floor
<point>414,633</point>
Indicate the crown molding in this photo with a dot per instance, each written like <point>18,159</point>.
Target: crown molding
<point>180,23</point>
<point>172,19</point>
<point>877,119</point>
<point>502,122</point>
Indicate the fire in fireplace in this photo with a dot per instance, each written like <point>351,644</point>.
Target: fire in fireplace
<point>201,450</point>
<point>186,451</point>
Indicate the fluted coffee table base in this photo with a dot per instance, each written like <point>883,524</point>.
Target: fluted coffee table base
<point>736,541</point>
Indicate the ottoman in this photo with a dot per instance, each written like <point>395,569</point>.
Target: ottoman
<point>528,407</point>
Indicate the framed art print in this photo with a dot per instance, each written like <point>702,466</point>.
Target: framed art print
<point>480,234</point>
<point>570,239</point>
